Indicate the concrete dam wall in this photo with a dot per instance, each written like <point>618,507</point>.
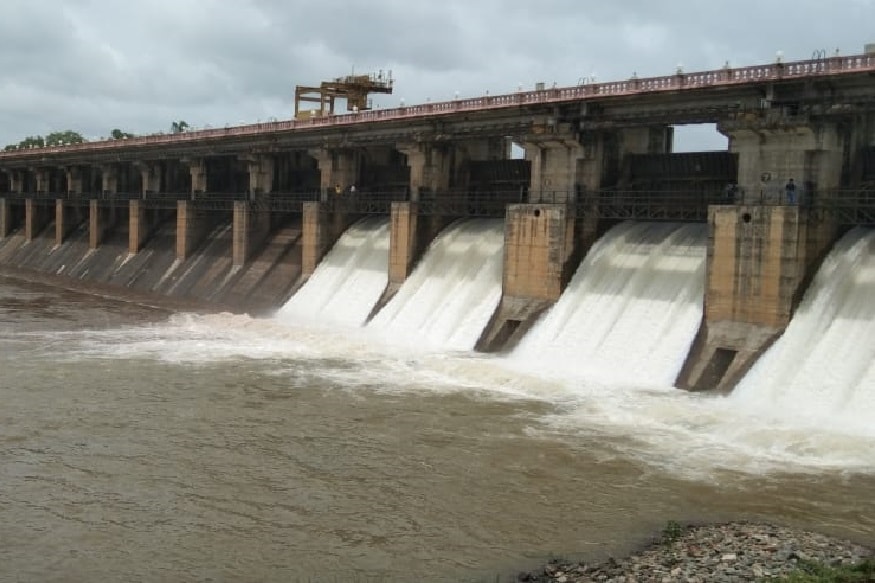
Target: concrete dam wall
<point>410,274</point>
<point>206,274</point>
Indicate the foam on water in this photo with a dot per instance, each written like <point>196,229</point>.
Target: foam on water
<point>631,311</point>
<point>788,415</point>
<point>348,281</point>
<point>450,297</point>
<point>821,371</point>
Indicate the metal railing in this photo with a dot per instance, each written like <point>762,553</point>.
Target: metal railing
<point>727,76</point>
<point>845,206</point>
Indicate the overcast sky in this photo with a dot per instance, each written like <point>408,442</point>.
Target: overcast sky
<point>95,65</point>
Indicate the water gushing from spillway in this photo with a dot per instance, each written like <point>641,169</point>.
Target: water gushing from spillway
<point>821,371</point>
<point>631,310</point>
<point>450,297</point>
<point>348,281</point>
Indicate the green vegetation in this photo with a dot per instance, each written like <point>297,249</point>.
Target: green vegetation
<point>53,139</point>
<point>672,532</point>
<point>811,572</point>
<point>178,127</point>
<point>117,134</point>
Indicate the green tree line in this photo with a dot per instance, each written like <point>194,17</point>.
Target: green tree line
<point>68,137</point>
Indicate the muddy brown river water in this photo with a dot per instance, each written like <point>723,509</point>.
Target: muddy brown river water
<point>142,445</point>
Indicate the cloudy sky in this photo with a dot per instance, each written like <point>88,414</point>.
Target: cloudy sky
<point>95,65</point>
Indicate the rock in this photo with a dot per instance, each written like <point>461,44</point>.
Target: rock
<point>715,553</point>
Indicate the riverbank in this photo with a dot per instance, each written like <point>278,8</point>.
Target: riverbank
<point>722,553</point>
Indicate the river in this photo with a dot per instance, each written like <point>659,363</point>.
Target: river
<point>139,444</point>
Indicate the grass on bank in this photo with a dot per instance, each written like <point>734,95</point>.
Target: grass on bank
<point>811,572</point>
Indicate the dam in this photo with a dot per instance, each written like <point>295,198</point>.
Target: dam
<point>417,222</point>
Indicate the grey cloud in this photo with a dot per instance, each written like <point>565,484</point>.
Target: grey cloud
<point>92,65</point>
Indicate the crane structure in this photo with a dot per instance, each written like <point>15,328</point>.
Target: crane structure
<point>355,89</point>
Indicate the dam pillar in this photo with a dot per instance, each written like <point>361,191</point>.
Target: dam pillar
<point>320,230</point>
<point>16,182</point>
<point>74,180</point>
<point>403,250</point>
<point>252,221</point>
<point>198,170</point>
<point>409,236</point>
<point>190,229</point>
<point>109,179</point>
<point>771,152</point>
<point>539,242</point>
<point>150,177</point>
<point>314,237</point>
<point>338,168</point>
<point>251,228</point>
<point>43,180</point>
<point>97,219</point>
<point>430,167</point>
<point>261,172</point>
<point>763,253</point>
<point>62,221</point>
<point>36,217</point>
<point>760,258</point>
<point>138,228</point>
<point>5,218</point>
<point>555,155</point>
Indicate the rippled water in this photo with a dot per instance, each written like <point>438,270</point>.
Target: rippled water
<point>139,445</point>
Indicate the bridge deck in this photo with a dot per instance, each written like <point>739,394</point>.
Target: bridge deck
<point>679,82</point>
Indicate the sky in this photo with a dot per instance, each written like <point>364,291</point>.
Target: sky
<point>95,65</point>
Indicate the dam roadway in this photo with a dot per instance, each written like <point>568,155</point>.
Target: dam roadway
<point>242,216</point>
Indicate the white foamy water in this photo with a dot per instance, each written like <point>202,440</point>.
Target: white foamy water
<point>691,434</point>
<point>451,295</point>
<point>348,281</point>
<point>821,372</point>
<point>631,311</point>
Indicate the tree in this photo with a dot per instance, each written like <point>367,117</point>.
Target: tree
<point>64,138</point>
<point>26,143</point>
<point>117,134</point>
<point>178,127</point>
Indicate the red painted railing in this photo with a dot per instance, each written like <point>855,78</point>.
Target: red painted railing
<point>679,82</point>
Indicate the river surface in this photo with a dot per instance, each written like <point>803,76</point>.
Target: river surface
<point>142,445</point>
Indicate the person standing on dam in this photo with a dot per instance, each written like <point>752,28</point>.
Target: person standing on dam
<point>790,189</point>
<point>731,192</point>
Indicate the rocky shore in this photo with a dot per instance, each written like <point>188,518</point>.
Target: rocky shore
<point>724,553</point>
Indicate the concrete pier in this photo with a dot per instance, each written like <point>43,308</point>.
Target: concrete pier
<point>539,243</point>
<point>100,221</point>
<point>139,226</point>
<point>6,225</point>
<point>410,235</point>
<point>191,229</point>
<point>250,230</point>
<point>36,217</point>
<point>595,154</point>
<point>67,219</point>
<point>760,259</point>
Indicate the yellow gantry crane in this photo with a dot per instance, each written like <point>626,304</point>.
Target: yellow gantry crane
<point>355,89</point>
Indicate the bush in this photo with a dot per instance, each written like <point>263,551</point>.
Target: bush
<point>818,573</point>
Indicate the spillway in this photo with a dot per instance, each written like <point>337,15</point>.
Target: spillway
<point>821,371</point>
<point>348,281</point>
<point>631,311</point>
<point>448,299</point>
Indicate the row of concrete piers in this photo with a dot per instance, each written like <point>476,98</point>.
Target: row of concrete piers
<point>760,256</point>
<point>759,259</point>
